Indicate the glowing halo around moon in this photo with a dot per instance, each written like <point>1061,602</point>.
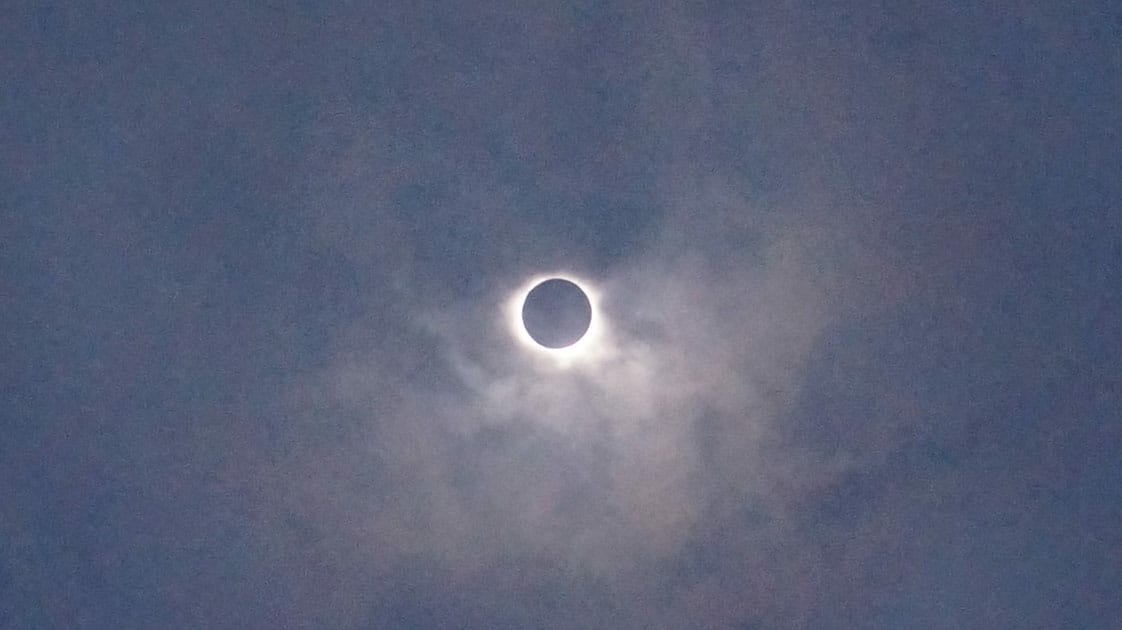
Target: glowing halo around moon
<point>589,346</point>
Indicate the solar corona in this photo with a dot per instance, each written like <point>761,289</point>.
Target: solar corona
<point>555,316</point>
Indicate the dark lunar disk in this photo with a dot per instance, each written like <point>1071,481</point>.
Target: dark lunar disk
<point>556,313</point>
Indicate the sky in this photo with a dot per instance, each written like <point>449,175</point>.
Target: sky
<point>855,271</point>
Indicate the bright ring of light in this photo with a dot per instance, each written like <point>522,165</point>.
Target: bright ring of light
<point>586,348</point>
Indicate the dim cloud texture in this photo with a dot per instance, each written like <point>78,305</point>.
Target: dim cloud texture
<point>856,370</point>
<point>526,481</point>
<point>653,485</point>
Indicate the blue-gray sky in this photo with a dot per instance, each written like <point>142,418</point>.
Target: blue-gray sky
<point>857,277</point>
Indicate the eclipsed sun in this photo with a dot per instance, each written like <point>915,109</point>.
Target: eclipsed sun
<point>556,316</point>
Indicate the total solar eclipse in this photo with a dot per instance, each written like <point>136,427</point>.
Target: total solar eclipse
<point>556,313</point>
